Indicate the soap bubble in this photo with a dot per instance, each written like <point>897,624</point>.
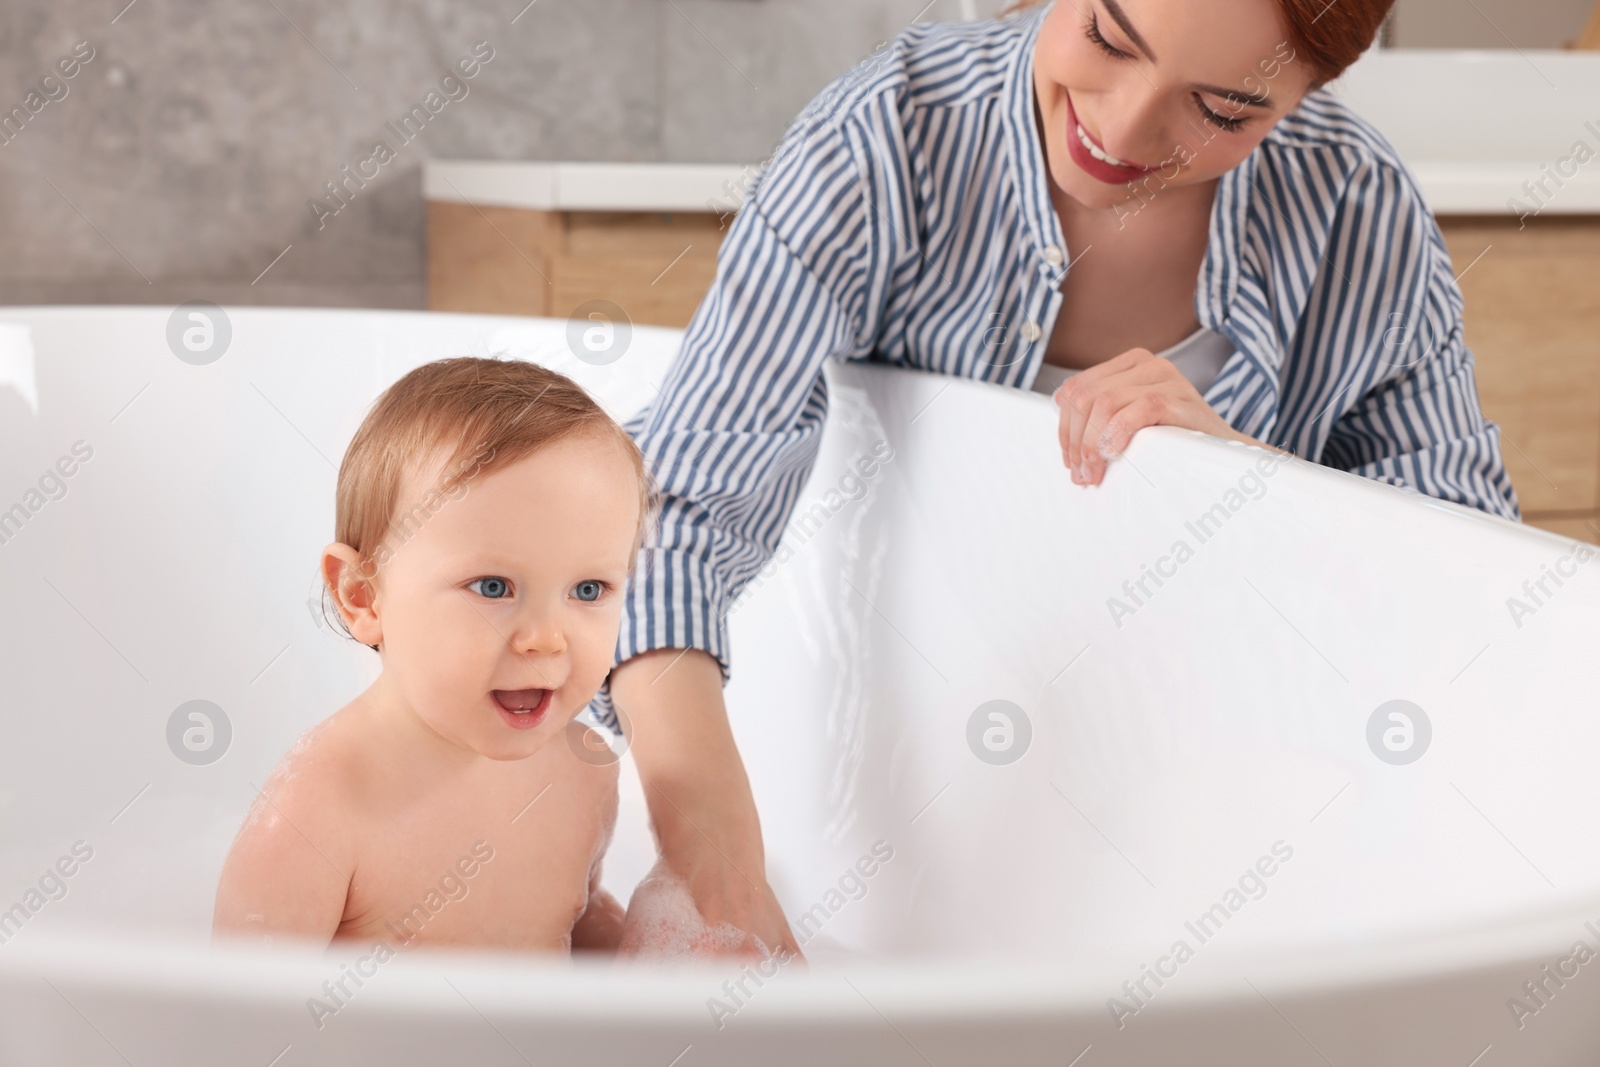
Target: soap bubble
<point>663,923</point>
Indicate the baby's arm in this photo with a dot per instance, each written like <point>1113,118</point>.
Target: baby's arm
<point>599,927</point>
<point>288,873</point>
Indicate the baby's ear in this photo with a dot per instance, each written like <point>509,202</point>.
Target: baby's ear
<point>349,580</point>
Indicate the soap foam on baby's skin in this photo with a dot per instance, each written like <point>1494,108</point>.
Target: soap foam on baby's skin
<point>663,923</point>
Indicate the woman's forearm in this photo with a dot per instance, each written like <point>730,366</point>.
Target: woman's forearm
<point>699,795</point>
<point>694,780</point>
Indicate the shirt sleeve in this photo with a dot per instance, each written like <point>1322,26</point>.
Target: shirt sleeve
<point>1418,424</point>
<point>733,432</point>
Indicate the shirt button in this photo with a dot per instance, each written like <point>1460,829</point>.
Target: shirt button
<point>1053,254</point>
<point>1032,331</point>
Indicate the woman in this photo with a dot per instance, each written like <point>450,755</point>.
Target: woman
<point>1151,202</point>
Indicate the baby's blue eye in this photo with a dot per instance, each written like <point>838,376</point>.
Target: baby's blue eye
<point>589,590</point>
<point>493,588</point>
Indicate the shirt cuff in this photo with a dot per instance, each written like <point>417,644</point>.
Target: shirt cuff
<point>673,600</point>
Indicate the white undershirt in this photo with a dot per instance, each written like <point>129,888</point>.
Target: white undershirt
<point>1198,357</point>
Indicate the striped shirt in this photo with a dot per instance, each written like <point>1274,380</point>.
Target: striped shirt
<point>905,217</point>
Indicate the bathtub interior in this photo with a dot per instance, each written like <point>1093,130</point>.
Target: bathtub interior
<point>1172,747</point>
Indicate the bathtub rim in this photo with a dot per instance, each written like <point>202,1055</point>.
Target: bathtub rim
<point>1016,393</point>
<point>923,988</point>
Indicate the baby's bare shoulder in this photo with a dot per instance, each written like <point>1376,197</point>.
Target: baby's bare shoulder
<point>315,784</point>
<point>288,870</point>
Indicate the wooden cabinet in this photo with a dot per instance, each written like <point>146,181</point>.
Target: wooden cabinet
<point>516,261</point>
<point>1532,319</point>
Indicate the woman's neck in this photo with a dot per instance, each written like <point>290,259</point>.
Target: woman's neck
<point>1161,208</point>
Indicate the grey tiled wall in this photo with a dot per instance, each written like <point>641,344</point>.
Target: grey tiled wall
<point>180,161</point>
<point>1488,23</point>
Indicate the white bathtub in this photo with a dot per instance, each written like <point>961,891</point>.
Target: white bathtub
<point>1169,754</point>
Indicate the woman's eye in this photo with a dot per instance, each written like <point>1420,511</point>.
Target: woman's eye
<point>1092,31</point>
<point>589,590</point>
<point>492,588</point>
<point>1220,121</point>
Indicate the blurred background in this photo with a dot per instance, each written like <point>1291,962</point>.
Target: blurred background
<point>180,162</point>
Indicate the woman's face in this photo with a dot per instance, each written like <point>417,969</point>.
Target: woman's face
<point>1174,92</point>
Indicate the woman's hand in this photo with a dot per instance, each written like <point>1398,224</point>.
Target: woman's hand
<point>1104,406</point>
<point>664,922</point>
<point>729,900</point>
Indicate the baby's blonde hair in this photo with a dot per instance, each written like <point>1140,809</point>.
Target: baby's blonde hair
<point>482,415</point>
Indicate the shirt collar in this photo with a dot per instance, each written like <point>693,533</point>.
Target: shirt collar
<point>1022,134</point>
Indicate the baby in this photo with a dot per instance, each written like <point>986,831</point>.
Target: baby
<point>488,516</point>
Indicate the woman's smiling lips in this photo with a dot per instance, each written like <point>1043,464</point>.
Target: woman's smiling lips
<point>522,709</point>
<point>1092,158</point>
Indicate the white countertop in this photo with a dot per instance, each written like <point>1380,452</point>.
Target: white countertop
<point>1475,127</point>
<point>709,187</point>
<point>1449,188</point>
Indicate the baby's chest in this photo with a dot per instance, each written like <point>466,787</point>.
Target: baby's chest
<point>512,886</point>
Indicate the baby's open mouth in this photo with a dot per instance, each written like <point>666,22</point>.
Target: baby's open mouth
<point>523,708</point>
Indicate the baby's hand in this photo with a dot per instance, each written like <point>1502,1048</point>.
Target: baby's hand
<point>662,923</point>
<point>599,928</point>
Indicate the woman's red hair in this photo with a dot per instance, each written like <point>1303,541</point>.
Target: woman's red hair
<point>1327,36</point>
